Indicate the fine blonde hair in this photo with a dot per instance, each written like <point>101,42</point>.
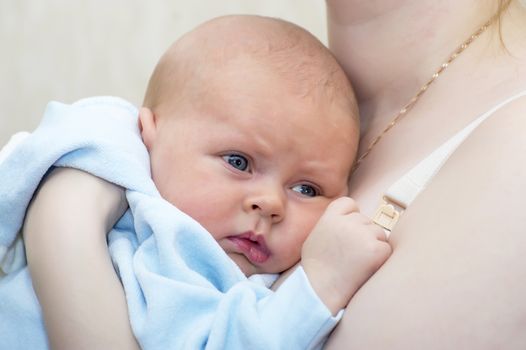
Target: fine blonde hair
<point>502,7</point>
<point>293,52</point>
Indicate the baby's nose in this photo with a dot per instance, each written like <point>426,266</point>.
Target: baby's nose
<point>268,202</point>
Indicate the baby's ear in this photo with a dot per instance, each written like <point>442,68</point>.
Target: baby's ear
<point>147,126</point>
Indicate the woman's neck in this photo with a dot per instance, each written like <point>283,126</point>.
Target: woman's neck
<point>390,48</point>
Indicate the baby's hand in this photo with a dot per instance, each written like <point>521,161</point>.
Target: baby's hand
<point>344,249</point>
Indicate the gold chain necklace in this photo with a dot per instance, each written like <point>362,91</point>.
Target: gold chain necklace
<point>389,210</point>
<point>423,89</point>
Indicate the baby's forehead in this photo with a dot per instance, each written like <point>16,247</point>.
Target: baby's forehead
<point>288,47</point>
<point>283,120</point>
<point>207,60</point>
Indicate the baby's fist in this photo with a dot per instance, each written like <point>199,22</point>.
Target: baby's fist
<point>344,249</point>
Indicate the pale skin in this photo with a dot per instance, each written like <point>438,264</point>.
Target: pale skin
<point>455,279</point>
<point>342,251</point>
<point>264,197</point>
<point>70,321</point>
<point>252,176</point>
<point>459,284</point>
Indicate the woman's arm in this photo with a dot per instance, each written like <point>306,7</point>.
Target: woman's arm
<point>82,299</point>
<point>457,276</point>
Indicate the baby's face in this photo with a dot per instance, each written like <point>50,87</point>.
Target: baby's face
<point>255,164</point>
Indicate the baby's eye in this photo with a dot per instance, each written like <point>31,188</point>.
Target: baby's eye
<point>237,161</point>
<point>306,190</point>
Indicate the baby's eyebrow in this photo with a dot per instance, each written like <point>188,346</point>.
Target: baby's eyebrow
<point>328,181</point>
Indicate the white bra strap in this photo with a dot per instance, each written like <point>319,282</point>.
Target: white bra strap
<point>400,195</point>
<point>405,190</point>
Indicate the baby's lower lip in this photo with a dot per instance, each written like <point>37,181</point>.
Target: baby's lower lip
<point>252,250</point>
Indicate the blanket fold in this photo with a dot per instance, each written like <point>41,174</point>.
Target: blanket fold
<point>182,290</point>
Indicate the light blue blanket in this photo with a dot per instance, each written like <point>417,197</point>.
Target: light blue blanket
<point>183,291</point>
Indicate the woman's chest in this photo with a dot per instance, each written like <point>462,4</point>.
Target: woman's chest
<point>431,129</point>
<point>404,148</point>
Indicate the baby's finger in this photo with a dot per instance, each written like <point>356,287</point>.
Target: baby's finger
<point>343,205</point>
<point>379,232</point>
<point>359,218</point>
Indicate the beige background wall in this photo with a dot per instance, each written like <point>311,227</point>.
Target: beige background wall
<point>68,49</point>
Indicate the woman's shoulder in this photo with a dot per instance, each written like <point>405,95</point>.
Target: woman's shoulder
<point>508,117</point>
<point>499,139</point>
<point>458,246</point>
<point>488,167</point>
<point>495,140</point>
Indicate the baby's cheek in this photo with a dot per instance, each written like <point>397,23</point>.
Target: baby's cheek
<point>289,249</point>
<point>305,226</point>
<point>310,220</point>
<point>194,208</point>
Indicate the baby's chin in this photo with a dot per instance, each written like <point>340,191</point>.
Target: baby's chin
<point>247,267</point>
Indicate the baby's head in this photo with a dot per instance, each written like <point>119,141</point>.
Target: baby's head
<point>252,130</point>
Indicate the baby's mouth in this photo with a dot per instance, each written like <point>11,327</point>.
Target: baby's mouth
<point>252,246</point>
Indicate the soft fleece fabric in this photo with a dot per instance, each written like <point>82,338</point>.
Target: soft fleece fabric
<point>183,291</point>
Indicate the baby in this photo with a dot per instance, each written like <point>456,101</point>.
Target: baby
<point>251,128</point>
<point>250,125</point>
